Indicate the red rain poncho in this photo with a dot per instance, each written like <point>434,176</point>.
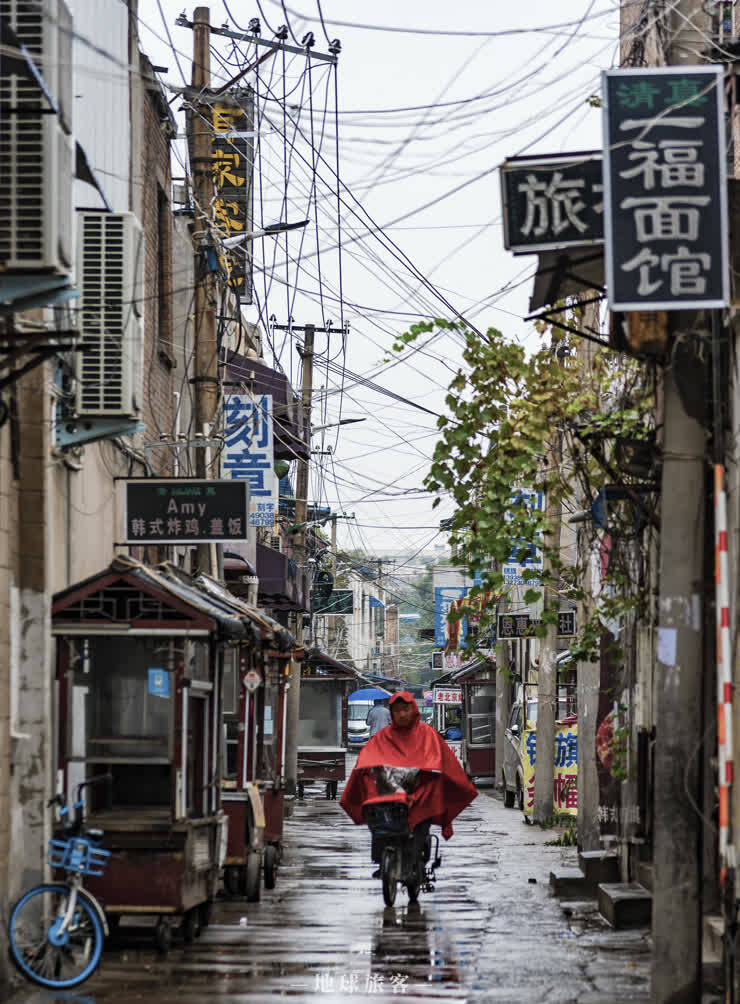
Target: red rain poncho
<point>440,795</point>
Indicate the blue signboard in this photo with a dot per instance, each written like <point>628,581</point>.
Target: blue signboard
<point>159,683</point>
<point>444,596</point>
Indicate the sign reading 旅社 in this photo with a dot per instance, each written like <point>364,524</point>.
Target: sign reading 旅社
<point>552,202</point>
<point>665,197</point>
<point>249,453</point>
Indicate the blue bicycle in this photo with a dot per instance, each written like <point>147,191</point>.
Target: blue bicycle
<point>57,929</point>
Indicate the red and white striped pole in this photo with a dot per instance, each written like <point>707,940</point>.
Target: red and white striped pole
<point>724,675</point>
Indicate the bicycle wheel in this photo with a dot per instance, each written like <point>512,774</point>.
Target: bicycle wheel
<point>41,951</point>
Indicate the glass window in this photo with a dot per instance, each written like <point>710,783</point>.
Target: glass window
<point>129,700</point>
<point>231,680</point>
<point>358,711</point>
<point>514,716</point>
<point>269,729</point>
<point>321,714</point>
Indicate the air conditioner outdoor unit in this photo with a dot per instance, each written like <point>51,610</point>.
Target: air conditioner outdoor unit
<point>36,150</point>
<point>110,269</point>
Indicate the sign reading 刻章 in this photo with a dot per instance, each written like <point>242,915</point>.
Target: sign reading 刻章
<point>249,453</point>
<point>552,202</point>
<point>665,197</point>
<point>182,511</point>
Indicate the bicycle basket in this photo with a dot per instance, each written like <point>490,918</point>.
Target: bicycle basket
<point>77,854</point>
<point>387,819</point>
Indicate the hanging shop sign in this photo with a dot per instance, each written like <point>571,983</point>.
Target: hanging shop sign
<point>184,511</point>
<point>444,598</point>
<point>249,453</point>
<point>447,695</point>
<point>233,171</point>
<point>339,602</point>
<point>524,625</point>
<point>665,190</point>
<point>552,202</point>
<point>525,556</point>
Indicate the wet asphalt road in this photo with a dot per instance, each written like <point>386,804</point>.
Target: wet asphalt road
<point>487,933</point>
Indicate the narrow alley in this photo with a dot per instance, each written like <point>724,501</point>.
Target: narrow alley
<point>491,930</point>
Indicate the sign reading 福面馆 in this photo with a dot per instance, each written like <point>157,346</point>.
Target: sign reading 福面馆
<point>552,202</point>
<point>233,160</point>
<point>665,197</point>
<point>181,511</point>
<point>249,452</point>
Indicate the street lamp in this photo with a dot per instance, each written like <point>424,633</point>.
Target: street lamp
<point>333,425</point>
<point>269,231</point>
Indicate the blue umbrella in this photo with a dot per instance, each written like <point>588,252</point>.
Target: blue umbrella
<point>369,694</point>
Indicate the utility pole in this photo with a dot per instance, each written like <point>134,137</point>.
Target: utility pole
<point>301,516</point>
<point>544,768</point>
<point>677,853</point>
<point>332,618</point>
<point>205,292</point>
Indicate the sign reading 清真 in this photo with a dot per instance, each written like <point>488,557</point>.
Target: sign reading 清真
<point>552,202</point>
<point>184,511</point>
<point>249,452</point>
<point>665,197</point>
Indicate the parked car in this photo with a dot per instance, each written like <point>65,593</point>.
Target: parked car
<point>512,769</point>
<point>358,731</point>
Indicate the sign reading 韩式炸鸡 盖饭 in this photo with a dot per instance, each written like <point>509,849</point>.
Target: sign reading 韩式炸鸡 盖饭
<point>249,452</point>
<point>552,201</point>
<point>665,198</point>
<point>184,511</point>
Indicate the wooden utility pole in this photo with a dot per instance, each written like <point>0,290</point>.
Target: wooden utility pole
<point>332,618</point>
<point>205,292</point>
<point>301,517</point>
<point>544,769</point>
<point>676,923</point>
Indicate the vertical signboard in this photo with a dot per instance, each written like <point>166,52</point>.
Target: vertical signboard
<point>665,190</point>
<point>233,162</point>
<point>517,562</point>
<point>444,597</point>
<point>249,452</point>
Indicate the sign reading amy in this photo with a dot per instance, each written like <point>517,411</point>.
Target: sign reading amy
<point>552,202</point>
<point>249,454</point>
<point>184,511</point>
<point>664,188</point>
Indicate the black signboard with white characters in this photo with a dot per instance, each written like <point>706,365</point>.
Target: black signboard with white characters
<point>665,189</point>
<point>552,201</point>
<point>185,511</point>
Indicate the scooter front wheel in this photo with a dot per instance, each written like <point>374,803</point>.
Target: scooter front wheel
<point>389,875</point>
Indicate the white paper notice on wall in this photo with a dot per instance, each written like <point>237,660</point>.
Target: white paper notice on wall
<point>667,645</point>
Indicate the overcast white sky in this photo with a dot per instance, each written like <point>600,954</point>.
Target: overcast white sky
<point>530,91</point>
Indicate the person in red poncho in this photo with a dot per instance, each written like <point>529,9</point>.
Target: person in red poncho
<point>442,791</point>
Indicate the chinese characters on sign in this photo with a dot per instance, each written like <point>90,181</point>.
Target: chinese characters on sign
<point>523,625</point>
<point>357,982</point>
<point>233,160</point>
<point>248,452</point>
<point>447,695</point>
<point>184,511</point>
<point>665,189</point>
<point>524,555</point>
<point>550,202</point>
<point>565,782</point>
<point>444,597</point>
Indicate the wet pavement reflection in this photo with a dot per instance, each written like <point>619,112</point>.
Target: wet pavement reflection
<point>323,934</point>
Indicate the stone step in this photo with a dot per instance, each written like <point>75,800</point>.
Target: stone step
<point>645,874</point>
<point>599,866</point>
<point>569,883</point>
<point>625,904</point>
